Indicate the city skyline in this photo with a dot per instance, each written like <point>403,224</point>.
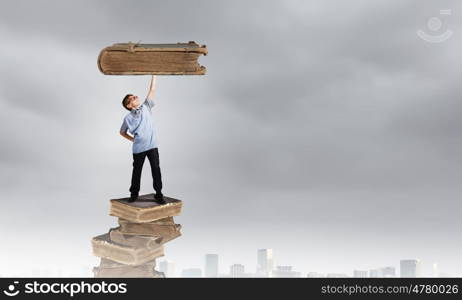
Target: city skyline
<point>170,267</point>
<point>403,268</point>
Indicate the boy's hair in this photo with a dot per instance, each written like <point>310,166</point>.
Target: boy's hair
<point>125,101</point>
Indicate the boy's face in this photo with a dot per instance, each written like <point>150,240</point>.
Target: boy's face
<point>133,102</point>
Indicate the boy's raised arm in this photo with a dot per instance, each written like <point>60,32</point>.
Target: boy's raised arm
<point>150,97</point>
<point>152,88</point>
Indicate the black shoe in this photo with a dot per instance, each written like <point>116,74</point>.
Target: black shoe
<point>159,198</point>
<point>133,198</point>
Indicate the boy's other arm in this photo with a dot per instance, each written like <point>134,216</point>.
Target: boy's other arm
<point>126,135</point>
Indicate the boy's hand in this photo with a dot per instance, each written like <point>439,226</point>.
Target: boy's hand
<point>127,136</point>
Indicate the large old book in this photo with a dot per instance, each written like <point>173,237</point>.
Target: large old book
<point>144,59</point>
<point>127,272</point>
<point>107,263</point>
<point>136,241</point>
<point>165,229</point>
<point>109,268</point>
<point>104,247</point>
<point>145,209</point>
<point>135,272</point>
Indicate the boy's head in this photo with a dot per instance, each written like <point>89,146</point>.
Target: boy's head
<point>130,102</point>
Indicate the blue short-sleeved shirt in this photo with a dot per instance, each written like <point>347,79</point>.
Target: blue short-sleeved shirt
<point>140,124</point>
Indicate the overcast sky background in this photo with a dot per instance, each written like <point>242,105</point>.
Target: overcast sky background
<point>326,130</point>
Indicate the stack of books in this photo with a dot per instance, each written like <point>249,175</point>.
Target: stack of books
<point>131,249</point>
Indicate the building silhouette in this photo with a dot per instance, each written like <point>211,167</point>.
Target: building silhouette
<point>211,265</point>
<point>167,267</point>
<point>336,275</point>
<point>410,268</point>
<point>264,262</point>
<point>237,270</point>
<point>192,272</point>
<point>435,270</point>
<point>360,273</point>
<point>374,273</point>
<point>388,272</point>
<point>315,275</point>
<point>285,272</point>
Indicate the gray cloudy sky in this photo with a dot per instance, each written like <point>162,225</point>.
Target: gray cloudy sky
<point>326,130</point>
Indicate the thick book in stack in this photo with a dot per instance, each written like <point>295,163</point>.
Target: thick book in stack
<point>145,210</point>
<point>165,229</point>
<point>105,247</point>
<point>131,249</point>
<point>112,269</point>
<point>155,59</point>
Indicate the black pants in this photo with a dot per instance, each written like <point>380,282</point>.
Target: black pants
<point>138,161</point>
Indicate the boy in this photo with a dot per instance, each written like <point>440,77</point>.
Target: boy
<point>139,124</point>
